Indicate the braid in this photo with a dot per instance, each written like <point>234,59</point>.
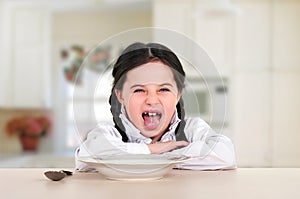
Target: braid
<point>179,132</point>
<point>115,108</point>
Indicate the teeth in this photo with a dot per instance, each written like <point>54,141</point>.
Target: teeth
<point>151,114</point>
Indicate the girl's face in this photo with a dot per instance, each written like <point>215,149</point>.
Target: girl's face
<point>150,96</point>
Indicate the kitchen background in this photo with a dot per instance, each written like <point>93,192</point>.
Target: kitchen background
<point>255,45</point>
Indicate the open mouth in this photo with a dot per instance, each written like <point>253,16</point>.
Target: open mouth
<point>151,119</point>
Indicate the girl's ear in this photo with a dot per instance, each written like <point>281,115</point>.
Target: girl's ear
<point>119,96</point>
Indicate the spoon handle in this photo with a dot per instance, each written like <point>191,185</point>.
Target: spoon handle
<point>68,173</point>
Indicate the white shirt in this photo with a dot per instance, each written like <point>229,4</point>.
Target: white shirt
<point>210,151</point>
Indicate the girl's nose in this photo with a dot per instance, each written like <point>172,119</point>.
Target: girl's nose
<point>152,98</point>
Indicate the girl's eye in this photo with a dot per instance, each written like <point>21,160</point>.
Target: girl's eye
<point>138,91</point>
<point>164,90</point>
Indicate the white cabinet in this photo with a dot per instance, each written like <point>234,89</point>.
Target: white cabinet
<point>267,36</point>
<point>266,98</point>
<point>252,36</point>
<point>251,118</point>
<point>213,30</point>
<point>286,35</point>
<point>2,73</point>
<point>259,52</point>
<point>202,23</point>
<point>251,85</point>
<point>286,83</point>
<point>285,119</point>
<point>174,15</point>
<point>25,64</point>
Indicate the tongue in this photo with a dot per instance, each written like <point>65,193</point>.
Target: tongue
<point>151,122</point>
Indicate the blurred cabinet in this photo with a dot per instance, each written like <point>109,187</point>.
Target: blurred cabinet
<point>26,63</point>
<point>286,35</point>
<point>267,35</point>
<point>251,118</point>
<point>252,36</point>
<point>285,119</point>
<point>213,30</point>
<point>251,85</point>
<point>204,23</point>
<point>2,82</point>
<point>266,84</point>
<point>174,15</point>
<point>286,83</point>
<point>258,49</point>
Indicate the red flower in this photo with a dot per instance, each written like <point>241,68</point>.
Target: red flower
<point>29,126</point>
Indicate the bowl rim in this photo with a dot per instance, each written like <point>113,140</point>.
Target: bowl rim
<point>135,159</point>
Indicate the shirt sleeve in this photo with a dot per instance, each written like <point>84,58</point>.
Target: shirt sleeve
<point>209,150</point>
<point>105,140</point>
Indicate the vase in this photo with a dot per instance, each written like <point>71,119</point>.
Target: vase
<point>30,143</point>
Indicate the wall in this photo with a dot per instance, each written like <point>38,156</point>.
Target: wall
<point>1,48</point>
<point>94,27</point>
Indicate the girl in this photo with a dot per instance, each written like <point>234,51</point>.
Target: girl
<point>149,117</point>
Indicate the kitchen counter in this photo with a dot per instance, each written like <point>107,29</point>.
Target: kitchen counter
<point>241,183</point>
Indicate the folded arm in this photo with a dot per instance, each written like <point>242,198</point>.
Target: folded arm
<point>210,151</point>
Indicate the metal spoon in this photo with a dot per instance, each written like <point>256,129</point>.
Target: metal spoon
<point>57,175</point>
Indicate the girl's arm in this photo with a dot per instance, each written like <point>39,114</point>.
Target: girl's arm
<point>106,140</point>
<point>210,151</point>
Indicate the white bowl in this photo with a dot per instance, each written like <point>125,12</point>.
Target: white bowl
<point>134,167</point>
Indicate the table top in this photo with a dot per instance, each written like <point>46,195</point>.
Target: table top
<point>241,183</point>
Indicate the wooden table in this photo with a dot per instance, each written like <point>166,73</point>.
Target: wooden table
<point>283,183</point>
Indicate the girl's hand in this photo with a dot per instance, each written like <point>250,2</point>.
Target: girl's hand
<point>162,147</point>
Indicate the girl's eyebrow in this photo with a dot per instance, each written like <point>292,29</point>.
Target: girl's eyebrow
<point>167,84</point>
<point>141,85</point>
